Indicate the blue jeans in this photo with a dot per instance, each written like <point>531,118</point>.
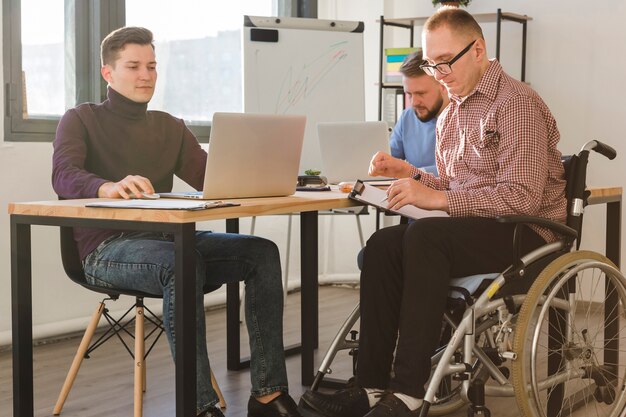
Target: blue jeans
<point>145,261</point>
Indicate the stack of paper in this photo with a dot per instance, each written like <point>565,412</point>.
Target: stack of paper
<point>162,204</point>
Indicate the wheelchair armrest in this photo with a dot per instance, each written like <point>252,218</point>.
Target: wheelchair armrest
<point>540,221</point>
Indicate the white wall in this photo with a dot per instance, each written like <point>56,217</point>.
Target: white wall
<point>575,61</point>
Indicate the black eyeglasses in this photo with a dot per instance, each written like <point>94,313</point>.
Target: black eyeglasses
<point>445,68</point>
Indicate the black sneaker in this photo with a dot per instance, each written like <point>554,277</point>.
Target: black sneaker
<point>351,402</point>
<point>392,406</point>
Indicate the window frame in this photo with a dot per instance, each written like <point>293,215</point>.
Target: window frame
<point>15,126</point>
<point>86,24</point>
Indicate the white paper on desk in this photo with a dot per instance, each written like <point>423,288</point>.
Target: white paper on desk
<point>169,204</point>
<point>377,197</point>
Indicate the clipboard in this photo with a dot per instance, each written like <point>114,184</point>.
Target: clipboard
<point>162,204</point>
<point>374,196</point>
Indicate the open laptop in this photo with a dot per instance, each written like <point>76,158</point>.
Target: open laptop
<point>348,147</point>
<point>251,155</point>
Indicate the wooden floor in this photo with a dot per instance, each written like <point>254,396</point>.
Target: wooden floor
<point>104,384</point>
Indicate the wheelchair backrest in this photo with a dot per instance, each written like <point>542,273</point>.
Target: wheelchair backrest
<point>576,193</point>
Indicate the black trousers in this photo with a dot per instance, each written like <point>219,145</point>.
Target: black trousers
<point>404,285</point>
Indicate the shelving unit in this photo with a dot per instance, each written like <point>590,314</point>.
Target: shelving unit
<point>410,24</point>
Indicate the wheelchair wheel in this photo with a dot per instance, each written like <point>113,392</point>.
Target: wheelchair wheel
<point>569,338</point>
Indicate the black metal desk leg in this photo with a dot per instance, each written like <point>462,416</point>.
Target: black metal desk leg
<point>613,251</point>
<point>233,340</point>
<point>309,296</point>
<point>22,316</point>
<point>613,231</point>
<point>185,307</point>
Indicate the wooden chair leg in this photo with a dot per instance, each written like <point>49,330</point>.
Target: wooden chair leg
<point>145,380</point>
<point>218,391</point>
<point>78,358</point>
<point>139,359</point>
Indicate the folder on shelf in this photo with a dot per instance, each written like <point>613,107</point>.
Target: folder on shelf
<point>400,51</point>
<point>395,58</point>
<point>393,66</point>
<point>377,197</point>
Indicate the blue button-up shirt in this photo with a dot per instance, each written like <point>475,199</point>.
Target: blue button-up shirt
<point>414,141</point>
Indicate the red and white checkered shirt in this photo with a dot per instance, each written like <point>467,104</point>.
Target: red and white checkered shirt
<point>497,153</point>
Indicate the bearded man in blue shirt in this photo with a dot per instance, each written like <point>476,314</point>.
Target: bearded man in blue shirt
<point>413,138</point>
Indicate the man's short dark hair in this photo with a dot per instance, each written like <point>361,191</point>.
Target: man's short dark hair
<point>119,38</point>
<point>411,65</point>
<point>459,21</point>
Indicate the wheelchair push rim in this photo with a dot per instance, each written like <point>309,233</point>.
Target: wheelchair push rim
<point>567,364</point>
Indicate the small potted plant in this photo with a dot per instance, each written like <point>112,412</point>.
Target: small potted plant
<point>464,3</point>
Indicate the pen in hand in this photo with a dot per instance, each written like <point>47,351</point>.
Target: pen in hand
<point>416,177</point>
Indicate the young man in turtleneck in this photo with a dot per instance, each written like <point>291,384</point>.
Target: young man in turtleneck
<point>118,149</point>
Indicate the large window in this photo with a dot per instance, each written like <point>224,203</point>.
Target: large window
<point>198,49</point>
<point>43,58</point>
<point>51,57</point>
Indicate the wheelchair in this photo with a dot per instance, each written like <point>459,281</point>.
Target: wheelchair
<point>549,330</point>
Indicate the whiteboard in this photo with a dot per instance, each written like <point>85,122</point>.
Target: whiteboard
<point>304,66</point>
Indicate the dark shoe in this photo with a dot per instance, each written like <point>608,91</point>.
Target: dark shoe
<point>212,412</point>
<point>281,406</point>
<point>351,402</point>
<point>392,406</point>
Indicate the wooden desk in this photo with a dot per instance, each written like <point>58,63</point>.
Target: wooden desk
<point>182,224</point>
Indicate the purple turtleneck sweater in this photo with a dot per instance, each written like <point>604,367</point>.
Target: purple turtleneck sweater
<point>98,143</point>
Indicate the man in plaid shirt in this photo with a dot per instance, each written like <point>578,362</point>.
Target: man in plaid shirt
<point>496,155</point>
